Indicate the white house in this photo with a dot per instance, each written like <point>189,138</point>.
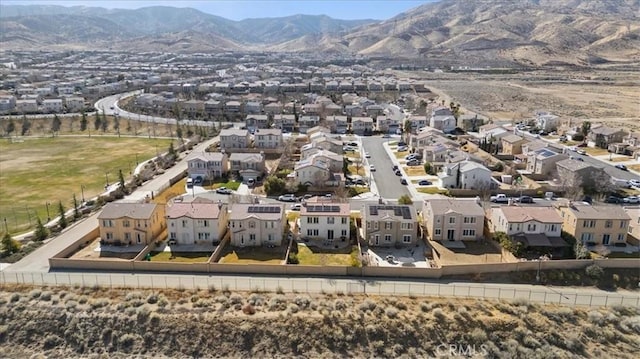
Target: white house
<point>466,175</point>
<point>198,222</point>
<point>233,138</point>
<point>53,105</point>
<point>534,226</point>
<point>326,222</point>
<point>74,104</point>
<point>442,119</point>
<point>207,165</point>
<point>546,121</point>
<point>268,138</point>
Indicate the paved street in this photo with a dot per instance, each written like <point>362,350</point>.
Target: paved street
<point>387,184</point>
<point>608,167</point>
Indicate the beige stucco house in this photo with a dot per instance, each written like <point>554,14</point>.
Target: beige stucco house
<point>257,224</point>
<point>386,225</point>
<point>594,225</point>
<point>453,219</point>
<point>131,223</point>
<point>198,222</point>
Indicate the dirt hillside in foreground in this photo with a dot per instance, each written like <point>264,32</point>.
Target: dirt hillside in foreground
<point>95,323</point>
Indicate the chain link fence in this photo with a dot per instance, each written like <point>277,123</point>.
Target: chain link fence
<point>540,295</point>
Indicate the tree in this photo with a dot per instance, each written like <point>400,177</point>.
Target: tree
<point>76,211</point>
<point>121,179</point>
<point>55,124</point>
<point>26,125</point>
<point>274,186</point>
<point>179,132</point>
<point>41,231</point>
<point>63,220</point>
<point>428,168</point>
<point>586,127</point>
<point>9,245</point>
<point>405,199</point>
<point>172,152</point>
<point>83,122</point>
<point>97,122</point>
<point>407,126</point>
<point>104,124</point>
<point>507,243</point>
<point>11,126</point>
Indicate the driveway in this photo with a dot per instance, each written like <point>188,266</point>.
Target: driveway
<point>387,184</point>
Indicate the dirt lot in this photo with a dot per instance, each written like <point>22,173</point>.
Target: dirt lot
<point>600,96</point>
<point>472,254</point>
<point>89,252</point>
<point>124,323</point>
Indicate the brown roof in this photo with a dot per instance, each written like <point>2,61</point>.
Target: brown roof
<point>512,138</point>
<point>457,205</point>
<point>194,210</point>
<point>516,214</point>
<point>581,211</point>
<point>129,210</point>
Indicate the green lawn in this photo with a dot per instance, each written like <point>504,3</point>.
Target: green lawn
<point>233,185</point>
<point>256,255</point>
<point>184,257</point>
<point>314,256</point>
<point>40,171</point>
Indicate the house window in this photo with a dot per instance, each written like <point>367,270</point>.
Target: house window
<point>368,225</point>
<point>388,225</point>
<point>127,236</point>
<point>252,237</point>
<point>468,232</point>
<point>107,223</point>
<point>206,223</point>
<point>406,226</point>
<point>375,225</point>
<point>252,224</point>
<point>173,236</point>
<point>184,223</point>
<point>554,228</point>
<point>608,224</point>
<point>510,227</point>
<point>387,238</point>
<point>344,233</point>
<point>589,224</point>
<point>586,237</point>
<point>126,223</point>
<point>406,238</point>
<point>312,220</point>
<point>109,235</point>
<point>469,219</point>
<point>620,237</point>
<point>623,224</point>
<point>531,227</point>
<point>202,236</point>
<point>605,239</point>
<point>330,220</point>
<point>438,232</point>
<point>344,220</point>
<point>452,220</point>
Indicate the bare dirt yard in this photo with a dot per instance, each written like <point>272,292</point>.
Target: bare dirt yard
<point>123,323</point>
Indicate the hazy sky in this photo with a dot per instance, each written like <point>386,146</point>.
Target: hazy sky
<point>238,10</point>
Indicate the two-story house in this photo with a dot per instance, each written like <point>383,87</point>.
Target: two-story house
<point>547,122</point>
<point>572,172</point>
<point>207,166</point>
<point>362,125</point>
<point>199,222</point>
<point>252,225</point>
<point>532,226</point>
<point>268,138</point>
<point>634,224</point>
<point>233,138</point>
<point>248,165</point>
<point>543,161</point>
<point>307,122</point>
<point>386,225</point>
<point>338,124</point>
<point>131,223</point>
<point>603,136</point>
<point>255,122</point>
<point>453,219</point>
<point>466,175</point>
<point>325,223</point>
<point>417,122</point>
<point>286,123</point>
<point>442,119</point>
<point>512,144</point>
<point>597,224</point>
<point>53,105</point>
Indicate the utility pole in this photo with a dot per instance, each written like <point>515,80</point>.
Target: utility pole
<point>82,190</point>
<point>48,216</point>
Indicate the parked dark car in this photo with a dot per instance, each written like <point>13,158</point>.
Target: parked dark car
<point>414,163</point>
<point>424,183</point>
<point>403,181</point>
<point>613,199</point>
<point>395,167</point>
<point>524,199</point>
<point>402,143</point>
<point>397,172</point>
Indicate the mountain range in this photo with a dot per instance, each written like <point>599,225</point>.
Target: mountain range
<point>525,32</point>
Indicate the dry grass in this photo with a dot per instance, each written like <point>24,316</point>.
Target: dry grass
<point>474,253</point>
<point>401,155</point>
<point>183,257</point>
<point>621,159</point>
<point>634,167</point>
<point>132,323</point>
<point>177,189</point>
<point>596,151</point>
<point>315,256</point>
<point>415,171</point>
<point>255,255</point>
<point>38,171</point>
<point>356,170</point>
<point>432,190</point>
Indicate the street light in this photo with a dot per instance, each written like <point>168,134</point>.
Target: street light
<point>106,176</point>
<point>538,272</point>
<point>48,216</point>
<point>6,228</point>
<point>82,190</point>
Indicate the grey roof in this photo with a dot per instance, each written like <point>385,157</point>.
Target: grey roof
<point>378,211</point>
<point>512,138</point>
<point>458,205</point>
<point>248,157</point>
<point>598,212</point>
<point>233,131</point>
<point>131,210</point>
<point>574,165</point>
<point>605,130</point>
<point>206,156</point>
<point>268,131</point>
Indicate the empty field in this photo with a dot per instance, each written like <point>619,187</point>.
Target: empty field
<point>40,171</point>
